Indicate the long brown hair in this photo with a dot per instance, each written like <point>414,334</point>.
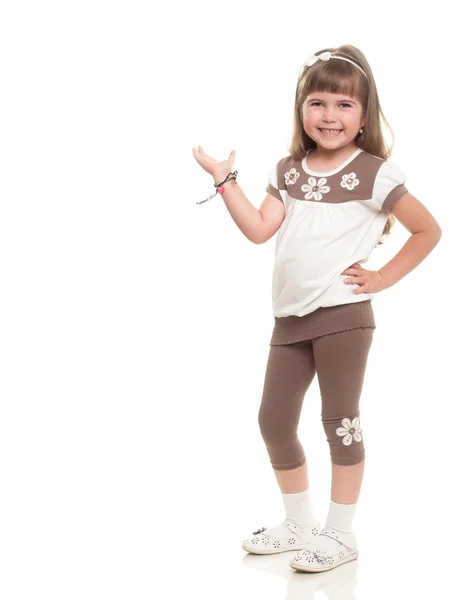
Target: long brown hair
<point>341,77</point>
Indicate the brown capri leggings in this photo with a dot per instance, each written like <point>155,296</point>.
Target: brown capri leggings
<point>340,361</point>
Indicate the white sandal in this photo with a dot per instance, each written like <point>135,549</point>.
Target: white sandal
<point>264,543</point>
<point>315,561</point>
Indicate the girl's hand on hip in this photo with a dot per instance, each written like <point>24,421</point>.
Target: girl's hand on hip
<point>216,168</point>
<point>370,282</point>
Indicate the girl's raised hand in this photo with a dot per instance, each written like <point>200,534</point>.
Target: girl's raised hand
<point>212,166</point>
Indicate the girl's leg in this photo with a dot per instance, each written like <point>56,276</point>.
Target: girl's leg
<point>292,481</point>
<point>341,360</point>
<point>289,373</point>
<point>346,482</point>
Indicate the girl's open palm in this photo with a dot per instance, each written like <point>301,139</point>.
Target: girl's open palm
<point>211,165</point>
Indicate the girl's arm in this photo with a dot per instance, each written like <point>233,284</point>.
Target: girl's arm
<point>425,231</point>
<point>258,225</point>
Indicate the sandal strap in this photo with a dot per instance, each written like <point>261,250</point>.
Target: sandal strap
<point>291,525</point>
<point>340,536</point>
<point>298,531</point>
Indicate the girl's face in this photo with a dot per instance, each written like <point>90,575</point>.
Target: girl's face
<point>339,113</point>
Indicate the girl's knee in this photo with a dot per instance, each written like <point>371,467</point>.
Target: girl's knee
<point>344,436</point>
<point>274,428</point>
<point>283,446</point>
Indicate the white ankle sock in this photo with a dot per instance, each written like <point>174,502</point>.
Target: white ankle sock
<point>298,509</point>
<point>340,517</point>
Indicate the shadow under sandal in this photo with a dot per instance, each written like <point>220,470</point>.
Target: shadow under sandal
<point>315,560</point>
<point>264,543</point>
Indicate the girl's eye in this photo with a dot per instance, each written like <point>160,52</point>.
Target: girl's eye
<point>342,103</point>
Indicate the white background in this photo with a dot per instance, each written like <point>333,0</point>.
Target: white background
<point>135,324</point>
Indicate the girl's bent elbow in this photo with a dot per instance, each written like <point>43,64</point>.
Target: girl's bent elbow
<point>436,233</point>
<point>257,238</point>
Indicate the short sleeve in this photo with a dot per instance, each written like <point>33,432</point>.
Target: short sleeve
<point>389,186</point>
<point>273,187</point>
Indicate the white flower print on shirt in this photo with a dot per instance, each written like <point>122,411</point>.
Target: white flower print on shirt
<point>349,181</point>
<point>291,176</point>
<point>315,190</point>
<point>349,429</point>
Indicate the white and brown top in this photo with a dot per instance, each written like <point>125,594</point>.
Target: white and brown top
<point>332,220</point>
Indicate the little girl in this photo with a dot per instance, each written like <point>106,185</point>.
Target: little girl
<point>330,200</point>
